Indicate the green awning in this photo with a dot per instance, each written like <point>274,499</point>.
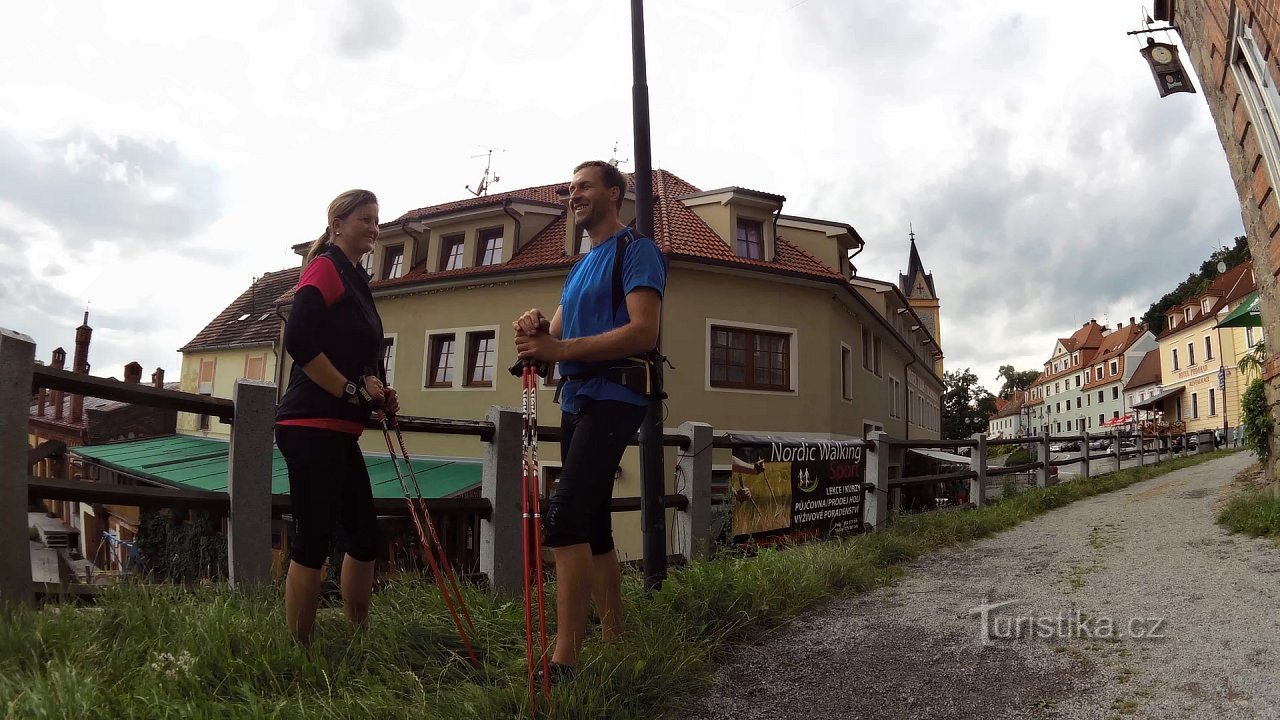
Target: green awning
<point>201,464</point>
<point>1246,313</point>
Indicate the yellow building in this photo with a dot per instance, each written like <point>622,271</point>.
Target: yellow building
<point>1199,382</point>
<point>768,326</point>
<point>242,342</point>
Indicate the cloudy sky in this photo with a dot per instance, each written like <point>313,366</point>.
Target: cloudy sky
<point>154,158</point>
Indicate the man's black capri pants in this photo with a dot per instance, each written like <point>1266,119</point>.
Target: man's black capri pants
<point>591,446</point>
<point>328,486</point>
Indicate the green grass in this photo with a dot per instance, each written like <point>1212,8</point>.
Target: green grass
<point>153,651</point>
<point>1252,512</point>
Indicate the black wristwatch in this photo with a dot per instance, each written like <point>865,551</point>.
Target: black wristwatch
<point>356,389</point>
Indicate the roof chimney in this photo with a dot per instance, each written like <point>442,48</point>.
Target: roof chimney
<point>133,373</point>
<point>157,378</point>
<point>81,365</point>
<point>1131,322</point>
<point>59,362</point>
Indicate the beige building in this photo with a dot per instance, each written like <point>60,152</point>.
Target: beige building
<point>1199,382</point>
<point>242,342</point>
<point>765,320</point>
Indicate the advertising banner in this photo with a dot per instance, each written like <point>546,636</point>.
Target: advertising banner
<point>796,488</point>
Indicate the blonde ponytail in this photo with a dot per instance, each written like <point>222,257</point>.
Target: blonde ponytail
<point>317,247</point>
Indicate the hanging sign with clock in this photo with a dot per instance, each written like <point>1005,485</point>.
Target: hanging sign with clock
<point>1166,67</point>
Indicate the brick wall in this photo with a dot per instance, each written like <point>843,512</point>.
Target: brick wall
<point>1205,28</point>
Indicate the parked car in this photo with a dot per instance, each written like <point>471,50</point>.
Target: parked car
<point>1100,444</point>
<point>1071,446</point>
<point>1127,446</point>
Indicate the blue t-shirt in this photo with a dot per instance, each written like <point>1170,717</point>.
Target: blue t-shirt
<point>586,308</point>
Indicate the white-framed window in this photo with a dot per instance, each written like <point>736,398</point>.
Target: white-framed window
<point>1252,335</point>
<point>1256,89</point>
<point>366,262</point>
<point>389,357</point>
<point>1208,348</point>
<point>392,262</point>
<point>1205,304</point>
<point>1115,367</point>
<point>846,372</point>
<point>1195,405</point>
<point>1213,403</point>
<point>461,359</point>
<point>895,397</point>
<point>747,357</point>
<point>1175,358</point>
<point>1191,353</point>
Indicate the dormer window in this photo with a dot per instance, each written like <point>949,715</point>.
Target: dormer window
<point>490,247</point>
<point>749,244</point>
<point>451,252</point>
<point>392,262</point>
<point>1204,304</point>
<point>1115,367</point>
<point>1173,321</point>
<point>366,262</point>
<point>1186,314</point>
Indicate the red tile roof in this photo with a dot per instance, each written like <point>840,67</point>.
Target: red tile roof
<point>1147,372</point>
<point>1086,340</point>
<point>1227,288</point>
<point>257,302</point>
<point>1114,347</point>
<point>90,403</point>
<point>679,232</point>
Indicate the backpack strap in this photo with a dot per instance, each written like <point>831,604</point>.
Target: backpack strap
<point>619,257</point>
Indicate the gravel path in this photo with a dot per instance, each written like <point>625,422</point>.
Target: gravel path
<point>1149,551</point>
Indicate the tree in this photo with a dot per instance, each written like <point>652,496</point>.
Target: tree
<point>1195,283</point>
<point>1252,362</point>
<point>966,405</point>
<point>1015,380</point>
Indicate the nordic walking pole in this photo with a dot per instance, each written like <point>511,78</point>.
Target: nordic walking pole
<point>435,571</point>
<point>531,526</point>
<point>431,530</point>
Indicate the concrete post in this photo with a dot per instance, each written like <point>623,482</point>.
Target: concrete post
<point>1115,447</point>
<point>693,525</point>
<point>500,534</point>
<point>1205,445</point>
<point>876,514</point>
<point>978,463</point>
<point>1042,452</point>
<point>1141,441</point>
<point>1084,455</point>
<point>17,359</point>
<point>249,484</point>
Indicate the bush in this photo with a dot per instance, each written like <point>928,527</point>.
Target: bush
<point>33,534</point>
<point>173,549</point>
<point>1257,420</point>
<point>1021,456</point>
<point>1255,513</point>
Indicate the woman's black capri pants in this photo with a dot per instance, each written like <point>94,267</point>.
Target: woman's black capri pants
<point>328,486</point>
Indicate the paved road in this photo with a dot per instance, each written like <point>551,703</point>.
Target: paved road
<point>1148,560</point>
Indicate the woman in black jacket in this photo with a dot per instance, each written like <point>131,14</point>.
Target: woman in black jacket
<point>334,336</point>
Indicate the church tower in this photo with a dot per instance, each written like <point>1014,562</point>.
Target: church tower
<point>917,286</point>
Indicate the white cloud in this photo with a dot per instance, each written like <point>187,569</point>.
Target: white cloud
<point>171,153</point>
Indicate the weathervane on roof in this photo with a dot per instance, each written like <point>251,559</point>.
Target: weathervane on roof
<point>482,188</point>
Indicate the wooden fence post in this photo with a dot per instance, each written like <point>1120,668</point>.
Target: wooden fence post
<point>693,524</point>
<point>17,359</point>
<point>500,533</point>
<point>249,482</point>
<point>876,514</point>
<point>978,463</point>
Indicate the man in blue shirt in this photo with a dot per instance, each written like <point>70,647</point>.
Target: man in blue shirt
<point>590,335</point>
